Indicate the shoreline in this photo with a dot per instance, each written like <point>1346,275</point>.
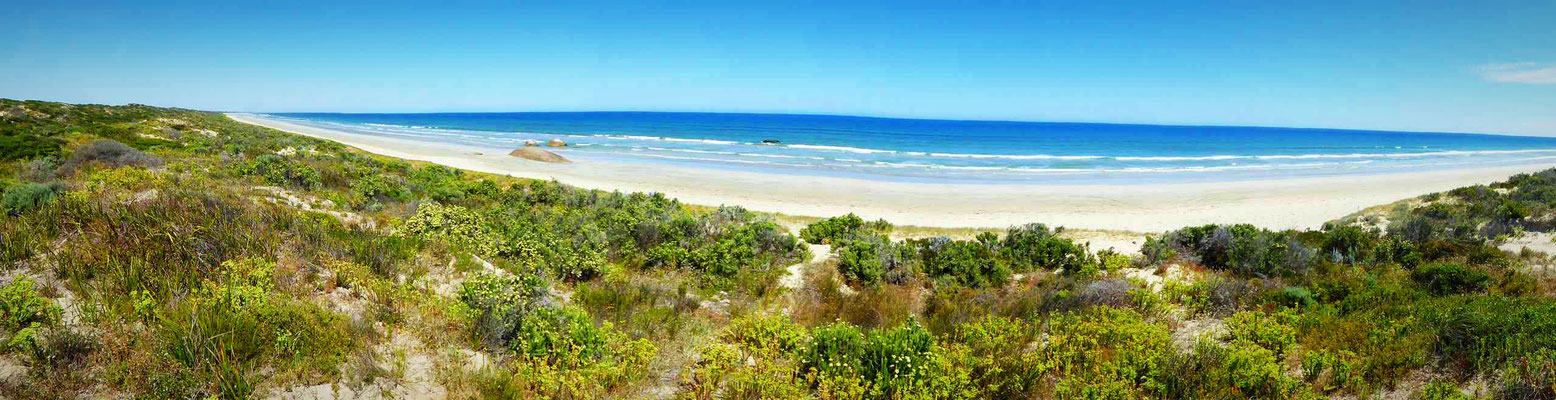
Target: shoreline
<point>1277,204</point>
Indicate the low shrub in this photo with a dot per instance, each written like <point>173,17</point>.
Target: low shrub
<point>1271,331</point>
<point>561,351</point>
<point>1445,390</point>
<point>454,224</point>
<point>835,229</point>
<point>1294,296</point>
<point>1532,376</point>
<point>1107,292</point>
<point>1444,279</point>
<point>1243,249</point>
<point>24,312</point>
<point>965,263</point>
<point>1033,246</point>
<point>872,259</point>
<point>108,153</point>
<point>280,171</point>
<point>28,196</point>
<point>280,333</point>
<point>23,147</point>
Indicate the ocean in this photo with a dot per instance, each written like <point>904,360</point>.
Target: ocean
<point>993,152</point>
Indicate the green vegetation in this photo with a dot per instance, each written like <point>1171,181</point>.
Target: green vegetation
<point>164,253</point>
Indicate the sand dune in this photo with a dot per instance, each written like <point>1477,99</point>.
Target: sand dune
<point>1287,203</point>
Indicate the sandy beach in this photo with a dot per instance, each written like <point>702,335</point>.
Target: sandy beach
<point>1286,203</point>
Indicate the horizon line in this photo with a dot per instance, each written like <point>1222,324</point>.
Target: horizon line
<point>863,116</point>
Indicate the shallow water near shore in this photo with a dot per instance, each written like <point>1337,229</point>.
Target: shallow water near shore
<point>955,151</point>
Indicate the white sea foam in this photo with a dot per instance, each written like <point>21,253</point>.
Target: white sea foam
<point>1015,156</point>
<point>840,148</point>
<point>665,139</point>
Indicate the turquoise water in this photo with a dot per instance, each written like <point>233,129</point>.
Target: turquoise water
<point>960,151</point>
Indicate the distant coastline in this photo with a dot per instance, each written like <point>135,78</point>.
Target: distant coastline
<point>951,151</point>
<point>1299,202</point>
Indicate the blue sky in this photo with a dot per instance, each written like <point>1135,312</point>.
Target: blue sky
<point>1427,66</point>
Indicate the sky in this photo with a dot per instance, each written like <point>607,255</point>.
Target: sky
<point>1483,67</point>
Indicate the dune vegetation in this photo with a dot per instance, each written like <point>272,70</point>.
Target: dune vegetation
<point>177,254</point>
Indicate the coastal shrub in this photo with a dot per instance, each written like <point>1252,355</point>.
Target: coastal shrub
<point>872,259</point>
<point>1107,292</point>
<point>24,147</point>
<point>39,169</point>
<point>1348,244</point>
<point>1107,352</point>
<point>454,224</point>
<point>1033,246</point>
<point>965,263</point>
<point>280,171</point>
<point>1214,296</point>
<point>110,154</point>
<point>24,312</point>
<point>561,350</point>
<point>832,230</point>
<point>28,196</point>
<point>438,183</point>
<point>380,188</point>
<point>896,360</point>
<point>766,336</point>
<point>860,262</point>
<point>279,332</point>
<point>1532,376</point>
<point>1446,390</point>
<point>500,300</point>
<point>1270,331</point>
<point>835,349</point>
<point>1446,279</point>
<point>1111,261</point>
<point>1295,296</point>
<point>983,350</point>
<point>1243,249</point>
<point>1481,333</point>
<point>1238,370</point>
<point>58,351</point>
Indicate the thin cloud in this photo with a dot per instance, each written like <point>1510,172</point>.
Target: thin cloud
<point>1524,72</point>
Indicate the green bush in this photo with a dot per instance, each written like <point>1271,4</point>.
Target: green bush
<point>1294,296</point>
<point>379,188</point>
<point>1271,331</point>
<point>983,349</point>
<point>836,349</point>
<point>896,360</point>
<point>1532,376</point>
<point>966,263</point>
<point>835,229</point>
<point>1444,390</point>
<point>872,259</point>
<point>24,147</point>
<point>1033,246</point>
<point>563,352</point>
<point>110,154</point>
<point>278,332</point>
<point>1445,279</point>
<point>23,313</point>
<point>860,262</point>
<point>1243,249</point>
<point>454,224</point>
<point>1107,352</point>
<point>766,336</point>
<point>280,171</point>
<point>28,196</point>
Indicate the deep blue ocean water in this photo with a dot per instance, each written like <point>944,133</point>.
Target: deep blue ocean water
<point>961,151</point>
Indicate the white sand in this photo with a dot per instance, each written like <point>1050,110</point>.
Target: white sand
<point>1285,203</point>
